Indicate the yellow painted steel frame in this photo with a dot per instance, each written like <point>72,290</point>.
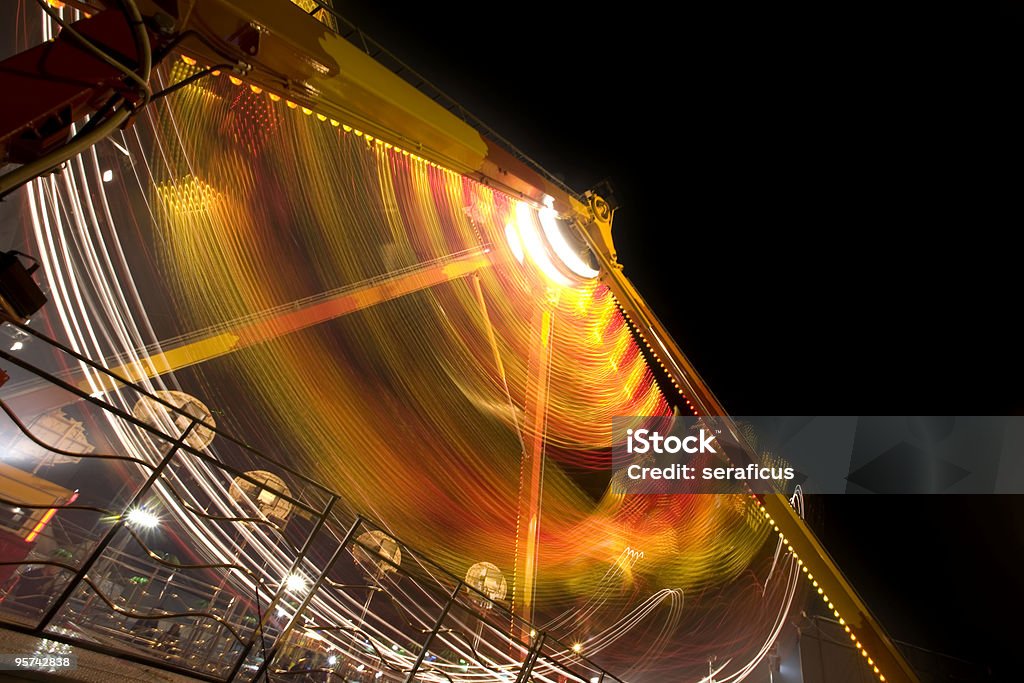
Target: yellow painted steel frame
<point>880,653</point>
<point>301,59</point>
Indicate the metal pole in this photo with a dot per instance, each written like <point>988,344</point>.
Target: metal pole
<point>112,531</point>
<point>258,630</point>
<point>306,600</point>
<point>433,633</point>
<point>531,658</point>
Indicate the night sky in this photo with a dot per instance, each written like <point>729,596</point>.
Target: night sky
<point>817,201</point>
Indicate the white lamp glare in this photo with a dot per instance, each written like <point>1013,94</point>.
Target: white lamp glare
<point>143,518</point>
<point>514,243</point>
<point>561,247</point>
<point>295,583</point>
<point>535,245</point>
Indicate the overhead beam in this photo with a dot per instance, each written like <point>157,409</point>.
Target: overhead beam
<point>531,468</point>
<point>251,331</point>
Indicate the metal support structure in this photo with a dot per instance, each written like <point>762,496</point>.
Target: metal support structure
<point>531,658</point>
<point>492,340</point>
<point>306,600</point>
<point>433,633</point>
<point>299,558</point>
<point>531,471</point>
<point>112,531</point>
<point>262,327</point>
<point>315,539</point>
<point>875,640</point>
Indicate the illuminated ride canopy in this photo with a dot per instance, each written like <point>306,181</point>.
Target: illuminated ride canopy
<point>406,335</point>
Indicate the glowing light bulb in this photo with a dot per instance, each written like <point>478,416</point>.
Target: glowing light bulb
<point>295,583</point>
<point>561,246</point>
<point>535,245</point>
<point>143,518</point>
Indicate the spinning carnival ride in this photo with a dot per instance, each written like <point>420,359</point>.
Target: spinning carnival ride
<point>389,302</point>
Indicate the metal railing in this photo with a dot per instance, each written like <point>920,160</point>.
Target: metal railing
<point>163,558</point>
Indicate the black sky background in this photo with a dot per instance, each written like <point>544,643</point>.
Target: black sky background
<point>820,201</point>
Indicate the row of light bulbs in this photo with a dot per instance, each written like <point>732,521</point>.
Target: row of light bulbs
<point>803,567</point>
<point>636,328</point>
<point>821,591</point>
<point>274,97</point>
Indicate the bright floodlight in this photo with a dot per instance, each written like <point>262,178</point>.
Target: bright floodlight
<point>514,243</point>
<point>295,583</point>
<point>534,244</point>
<point>108,175</point>
<point>561,246</point>
<point>576,647</point>
<point>143,518</point>
<point>332,660</point>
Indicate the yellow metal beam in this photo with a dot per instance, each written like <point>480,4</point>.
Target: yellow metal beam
<point>865,631</point>
<point>258,329</point>
<point>531,469</point>
<point>292,54</point>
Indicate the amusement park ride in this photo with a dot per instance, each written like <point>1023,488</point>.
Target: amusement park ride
<point>98,69</point>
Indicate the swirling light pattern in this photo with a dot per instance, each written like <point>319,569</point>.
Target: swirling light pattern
<point>234,202</point>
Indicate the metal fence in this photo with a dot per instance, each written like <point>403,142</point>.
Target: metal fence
<point>184,548</point>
